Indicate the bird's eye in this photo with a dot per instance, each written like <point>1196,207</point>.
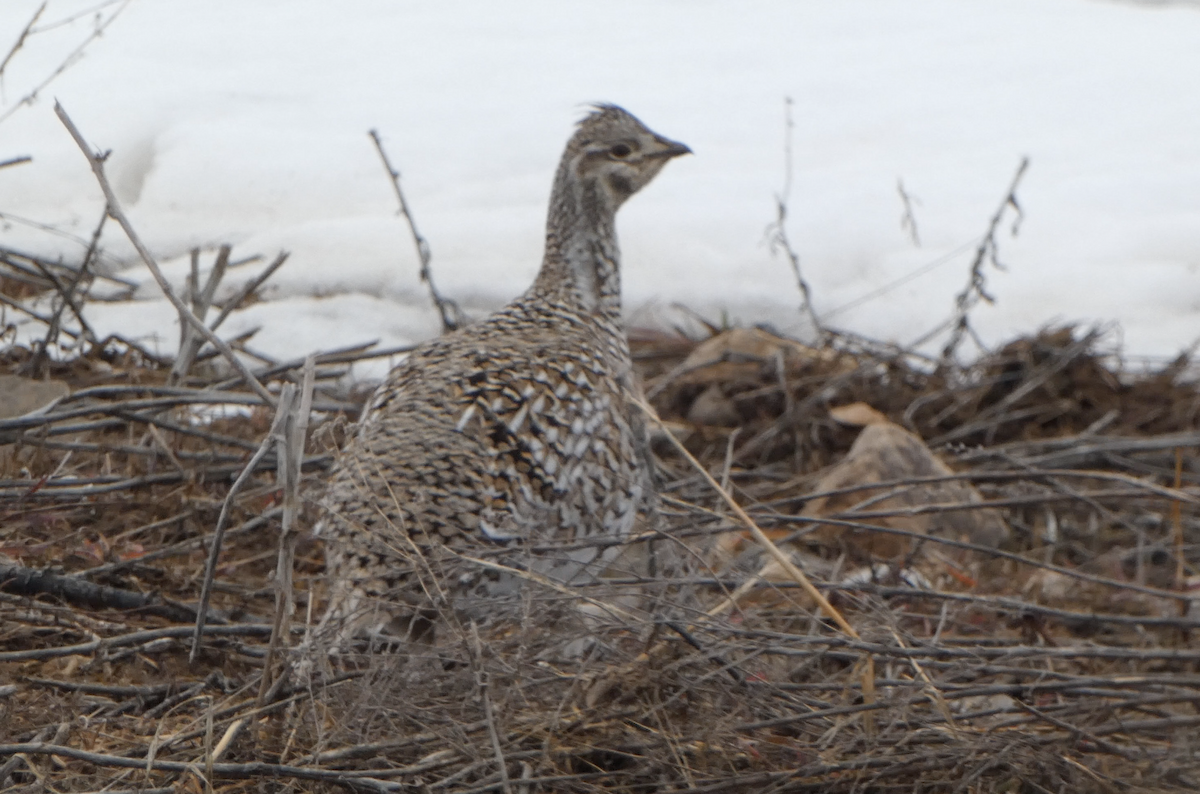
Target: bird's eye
<point>620,150</point>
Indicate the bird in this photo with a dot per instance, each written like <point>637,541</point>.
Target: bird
<point>513,434</point>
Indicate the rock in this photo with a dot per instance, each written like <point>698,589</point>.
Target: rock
<point>20,396</point>
<point>712,407</point>
<point>740,353</point>
<point>886,452</point>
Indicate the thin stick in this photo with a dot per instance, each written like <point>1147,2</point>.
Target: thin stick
<point>67,62</point>
<point>976,289</point>
<point>777,232</point>
<point>68,296</point>
<point>768,545</point>
<point>114,209</point>
<point>289,458</point>
<point>15,304</point>
<point>235,729</point>
<point>452,316</point>
<point>210,569</point>
<point>16,46</point>
<point>249,288</point>
<point>1177,530</point>
<point>251,769</point>
<point>481,682</point>
<point>201,299</point>
<point>908,221</point>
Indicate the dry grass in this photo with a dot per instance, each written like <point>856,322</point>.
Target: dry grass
<point>1064,661</point>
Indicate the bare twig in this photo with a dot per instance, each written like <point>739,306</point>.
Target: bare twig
<point>777,237</point>
<point>135,638</point>
<point>1072,573</point>
<point>767,544</point>
<point>249,288</point>
<point>16,304</point>
<point>67,298</point>
<point>24,34</point>
<point>19,160</point>
<point>8,254</point>
<point>364,779</point>
<point>908,221</point>
<point>452,316</point>
<point>201,299</point>
<point>182,547</point>
<point>482,683</point>
<point>976,289</point>
<point>210,569</point>
<point>72,57</point>
<point>289,446</point>
<point>96,162</point>
<point>30,581</point>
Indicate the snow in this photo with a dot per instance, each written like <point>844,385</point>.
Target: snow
<point>246,123</point>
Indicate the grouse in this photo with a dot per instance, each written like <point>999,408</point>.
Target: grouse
<point>517,432</point>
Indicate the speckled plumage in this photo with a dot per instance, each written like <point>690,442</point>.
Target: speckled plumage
<point>515,432</point>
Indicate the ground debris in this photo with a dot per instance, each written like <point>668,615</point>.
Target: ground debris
<point>1046,500</point>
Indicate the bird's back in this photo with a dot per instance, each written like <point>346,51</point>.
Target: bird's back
<point>518,428</point>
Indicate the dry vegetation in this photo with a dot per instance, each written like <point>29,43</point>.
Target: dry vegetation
<point>1062,661</point>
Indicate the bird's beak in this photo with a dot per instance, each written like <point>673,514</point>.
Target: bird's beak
<point>670,149</point>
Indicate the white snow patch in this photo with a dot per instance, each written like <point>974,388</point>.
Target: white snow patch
<point>246,123</point>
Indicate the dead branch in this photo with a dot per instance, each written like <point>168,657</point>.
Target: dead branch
<point>289,443</point>
<point>908,221</point>
<point>30,582</point>
<point>254,769</point>
<point>183,547</point>
<point>96,162</point>
<point>16,304</point>
<point>133,639</point>
<point>201,299</point>
<point>72,57</point>
<point>210,569</point>
<point>66,295</point>
<point>248,289</point>
<point>777,237</point>
<point>986,550</point>
<point>986,253</point>
<point>24,34</point>
<point>452,316</point>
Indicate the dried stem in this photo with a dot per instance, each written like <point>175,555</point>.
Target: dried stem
<point>767,544</point>
<point>201,299</point>
<point>289,441</point>
<point>452,316</point>
<point>908,221</point>
<point>96,162</point>
<point>777,232</point>
<point>67,298</point>
<point>482,683</point>
<point>24,34</point>
<point>249,288</point>
<point>985,253</point>
<point>72,58</point>
<point>210,569</point>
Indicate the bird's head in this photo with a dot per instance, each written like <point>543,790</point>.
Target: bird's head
<point>619,153</point>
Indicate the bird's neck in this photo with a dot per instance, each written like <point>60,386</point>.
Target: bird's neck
<point>582,261</point>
